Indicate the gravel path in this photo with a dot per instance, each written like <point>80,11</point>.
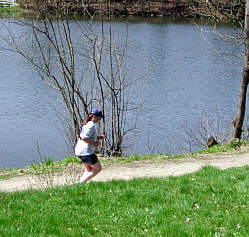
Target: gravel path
<point>128,171</point>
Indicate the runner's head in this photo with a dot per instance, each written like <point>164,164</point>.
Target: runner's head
<point>96,115</point>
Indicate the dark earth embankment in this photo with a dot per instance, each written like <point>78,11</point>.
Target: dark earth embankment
<point>167,8</point>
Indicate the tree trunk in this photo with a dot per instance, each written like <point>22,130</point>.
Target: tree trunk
<point>239,118</point>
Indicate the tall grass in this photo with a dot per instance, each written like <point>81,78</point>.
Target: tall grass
<point>207,203</point>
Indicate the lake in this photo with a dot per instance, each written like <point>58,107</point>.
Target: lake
<point>183,77</point>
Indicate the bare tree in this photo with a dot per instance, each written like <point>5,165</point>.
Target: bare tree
<point>236,12</point>
<point>51,48</point>
<point>239,118</point>
<point>220,10</point>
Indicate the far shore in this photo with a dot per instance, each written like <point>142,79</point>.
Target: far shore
<point>170,10</point>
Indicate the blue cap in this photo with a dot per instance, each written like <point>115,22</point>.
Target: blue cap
<point>98,112</point>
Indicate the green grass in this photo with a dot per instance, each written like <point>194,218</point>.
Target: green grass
<point>8,176</point>
<point>229,147</point>
<point>48,165</point>
<point>12,11</point>
<point>207,203</point>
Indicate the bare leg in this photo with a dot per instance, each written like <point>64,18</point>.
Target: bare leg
<point>90,172</point>
<point>96,168</point>
<point>87,167</point>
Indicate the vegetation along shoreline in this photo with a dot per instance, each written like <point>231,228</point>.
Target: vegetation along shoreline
<point>171,9</point>
<point>48,164</point>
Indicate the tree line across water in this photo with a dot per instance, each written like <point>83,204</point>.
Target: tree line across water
<point>168,8</point>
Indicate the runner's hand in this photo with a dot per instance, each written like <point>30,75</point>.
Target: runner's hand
<point>101,137</point>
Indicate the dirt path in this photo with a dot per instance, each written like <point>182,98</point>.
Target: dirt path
<point>129,171</point>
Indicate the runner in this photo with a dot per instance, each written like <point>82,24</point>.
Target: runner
<point>86,145</point>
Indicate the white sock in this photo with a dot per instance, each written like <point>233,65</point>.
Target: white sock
<point>86,175</point>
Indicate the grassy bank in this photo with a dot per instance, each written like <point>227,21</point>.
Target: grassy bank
<point>51,166</point>
<point>231,147</point>
<point>12,11</point>
<point>207,203</point>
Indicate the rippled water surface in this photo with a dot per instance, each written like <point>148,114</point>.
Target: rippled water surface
<point>181,77</point>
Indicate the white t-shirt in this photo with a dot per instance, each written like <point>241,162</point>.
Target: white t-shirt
<point>88,131</point>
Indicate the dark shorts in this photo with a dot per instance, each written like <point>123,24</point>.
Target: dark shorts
<point>89,159</point>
